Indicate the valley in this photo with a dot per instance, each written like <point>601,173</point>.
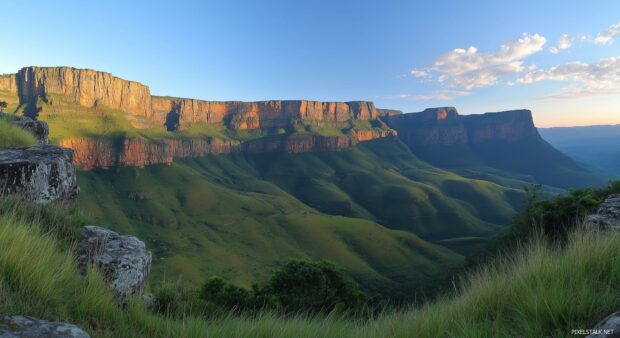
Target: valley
<point>236,189</point>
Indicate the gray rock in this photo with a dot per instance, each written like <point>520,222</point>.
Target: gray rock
<point>21,326</point>
<point>122,260</point>
<point>608,214</point>
<point>38,174</point>
<point>608,327</point>
<point>39,129</point>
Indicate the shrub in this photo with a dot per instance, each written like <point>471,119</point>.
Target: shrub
<point>307,286</point>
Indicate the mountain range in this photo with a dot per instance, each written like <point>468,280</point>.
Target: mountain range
<point>238,188</point>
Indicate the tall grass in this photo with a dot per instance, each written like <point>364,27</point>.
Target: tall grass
<point>11,136</point>
<point>540,291</point>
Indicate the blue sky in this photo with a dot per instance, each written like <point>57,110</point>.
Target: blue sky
<point>404,55</point>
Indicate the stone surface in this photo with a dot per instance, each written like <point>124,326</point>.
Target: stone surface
<point>608,327</point>
<point>122,260</point>
<point>91,153</point>
<point>84,86</point>
<point>21,326</point>
<point>608,214</point>
<point>38,174</point>
<point>444,126</point>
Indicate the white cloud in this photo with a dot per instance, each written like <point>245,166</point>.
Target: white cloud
<point>601,78</point>
<point>419,73</point>
<point>565,42</point>
<point>469,68</point>
<point>442,95</point>
<point>554,50</point>
<point>608,35</point>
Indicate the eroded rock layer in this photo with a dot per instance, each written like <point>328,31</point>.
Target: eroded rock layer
<point>105,153</point>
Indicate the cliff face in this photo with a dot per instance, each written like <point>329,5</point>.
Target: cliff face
<point>264,114</point>
<point>84,86</point>
<point>433,126</point>
<point>514,125</point>
<point>89,88</point>
<point>106,153</point>
<point>444,126</point>
<point>8,83</point>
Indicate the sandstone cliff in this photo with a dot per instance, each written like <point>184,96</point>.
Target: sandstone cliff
<point>444,126</point>
<point>105,153</point>
<point>90,88</point>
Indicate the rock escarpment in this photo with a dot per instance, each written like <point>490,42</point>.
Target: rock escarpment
<point>90,88</point>
<point>22,327</point>
<point>444,126</point>
<point>122,260</point>
<point>238,115</point>
<point>93,153</point>
<point>38,174</point>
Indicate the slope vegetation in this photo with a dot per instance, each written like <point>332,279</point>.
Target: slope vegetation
<point>374,210</point>
<point>540,292</point>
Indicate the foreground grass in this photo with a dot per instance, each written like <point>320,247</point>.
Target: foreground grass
<point>541,291</point>
<point>11,136</point>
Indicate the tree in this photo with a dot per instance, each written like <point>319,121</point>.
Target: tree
<point>225,295</point>
<point>3,106</point>
<point>315,286</point>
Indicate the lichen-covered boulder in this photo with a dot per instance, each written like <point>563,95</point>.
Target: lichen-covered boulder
<point>608,214</point>
<point>38,174</point>
<point>122,260</point>
<point>21,326</point>
<point>608,327</point>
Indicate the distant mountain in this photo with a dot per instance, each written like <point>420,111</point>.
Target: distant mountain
<point>502,147</point>
<point>598,146</point>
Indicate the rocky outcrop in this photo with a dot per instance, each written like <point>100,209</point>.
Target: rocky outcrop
<point>39,129</point>
<point>433,126</point>
<point>123,261</point>
<point>253,115</point>
<point>84,86</point>
<point>107,153</point>
<point>90,88</point>
<point>444,126</point>
<point>38,174</point>
<point>21,326</point>
<point>513,125</point>
<point>8,83</point>
<point>607,216</point>
<point>607,328</point>
<point>388,112</point>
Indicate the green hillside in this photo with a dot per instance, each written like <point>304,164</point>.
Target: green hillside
<point>541,291</point>
<point>240,216</point>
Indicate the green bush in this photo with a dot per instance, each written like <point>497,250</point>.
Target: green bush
<point>11,136</point>
<point>555,218</point>
<point>308,286</point>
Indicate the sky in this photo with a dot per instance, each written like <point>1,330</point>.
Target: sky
<point>560,59</point>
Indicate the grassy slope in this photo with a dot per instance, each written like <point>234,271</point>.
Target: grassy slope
<point>11,136</point>
<point>240,216</point>
<point>540,292</point>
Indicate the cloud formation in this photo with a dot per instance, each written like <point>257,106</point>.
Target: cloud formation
<point>461,70</point>
<point>607,36</point>
<point>601,78</point>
